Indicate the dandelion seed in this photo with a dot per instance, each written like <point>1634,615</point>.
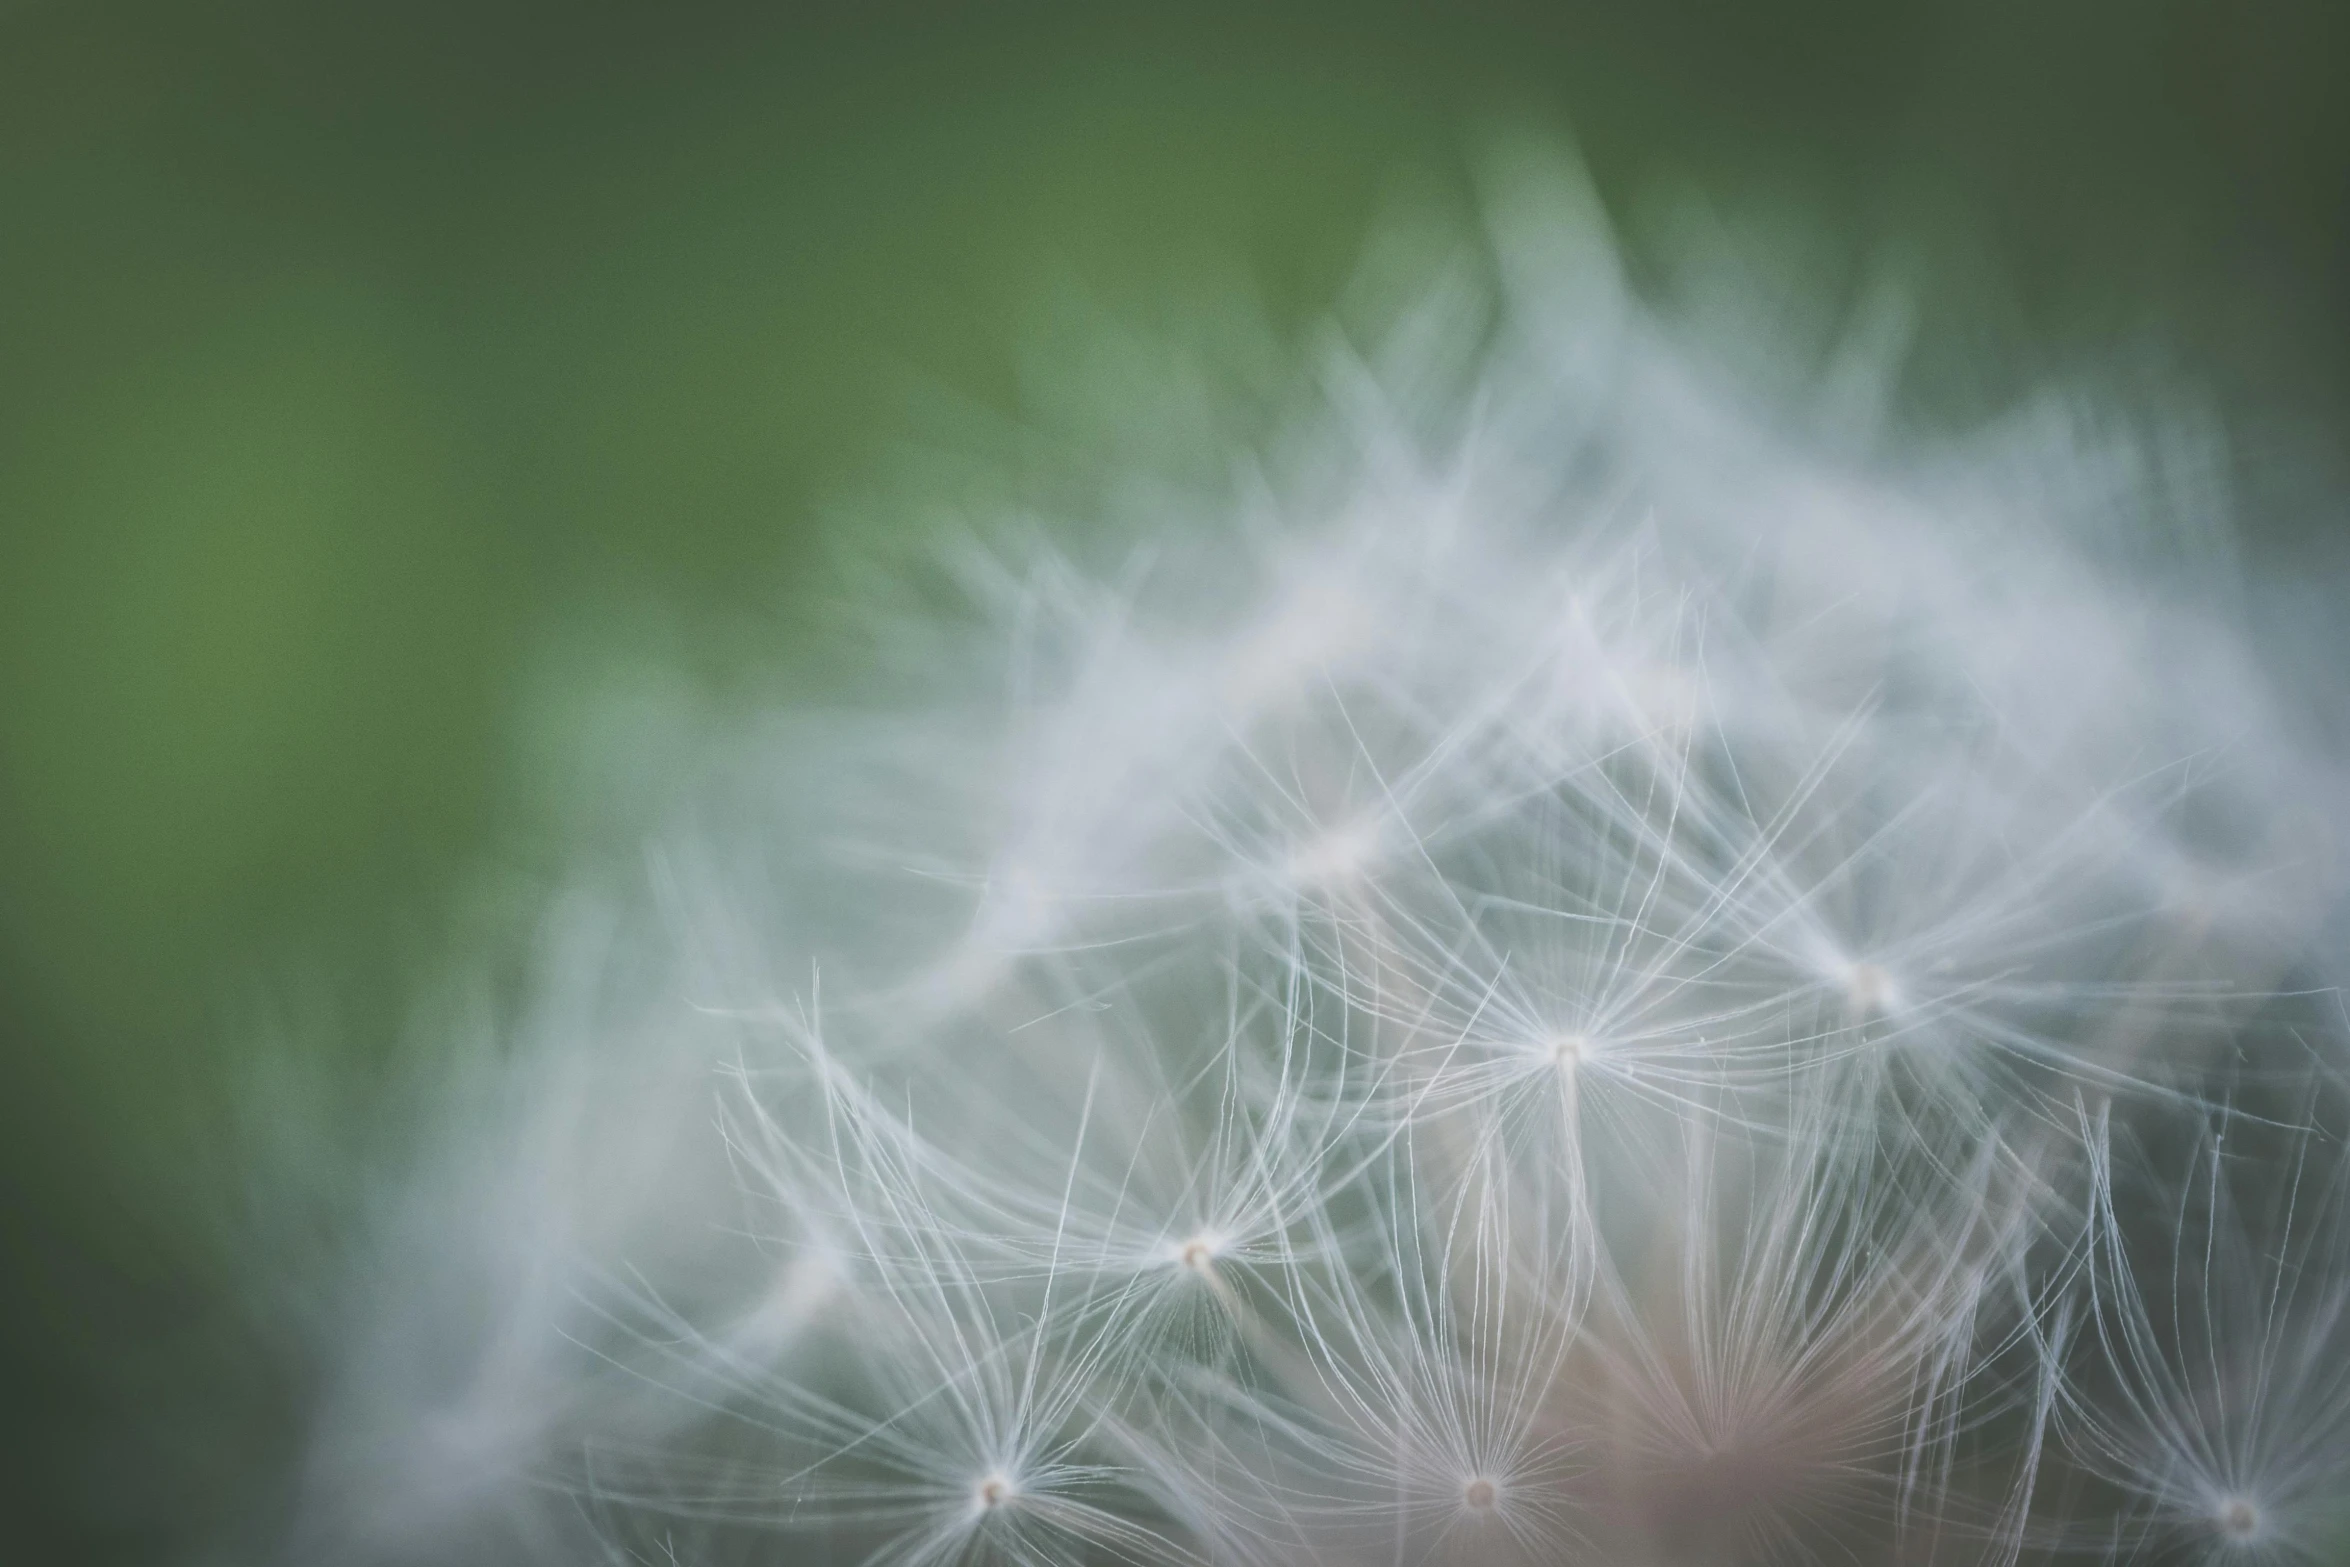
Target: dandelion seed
<point>1337,856</point>
<point>2238,1520</point>
<point>1568,1051</point>
<point>1198,1254</point>
<point>1869,992</point>
<point>2218,1397</point>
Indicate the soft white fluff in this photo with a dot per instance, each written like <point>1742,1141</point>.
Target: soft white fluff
<point>1520,979</point>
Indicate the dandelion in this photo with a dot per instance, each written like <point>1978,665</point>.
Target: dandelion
<point>1518,984</point>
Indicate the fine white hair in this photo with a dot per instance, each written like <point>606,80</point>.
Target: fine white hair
<point>1551,962</point>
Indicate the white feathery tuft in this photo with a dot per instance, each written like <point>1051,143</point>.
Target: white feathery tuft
<point>1540,976</point>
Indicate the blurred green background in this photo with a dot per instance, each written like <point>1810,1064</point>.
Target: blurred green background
<point>350,353</point>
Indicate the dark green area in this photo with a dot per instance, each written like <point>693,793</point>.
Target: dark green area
<point>348,352</point>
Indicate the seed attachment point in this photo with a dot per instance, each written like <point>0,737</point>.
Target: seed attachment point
<point>1869,992</point>
<point>1198,1254</point>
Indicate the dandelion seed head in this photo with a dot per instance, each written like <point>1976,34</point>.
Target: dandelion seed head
<point>1239,906</point>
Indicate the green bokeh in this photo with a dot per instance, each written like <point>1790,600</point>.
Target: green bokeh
<point>349,354</point>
